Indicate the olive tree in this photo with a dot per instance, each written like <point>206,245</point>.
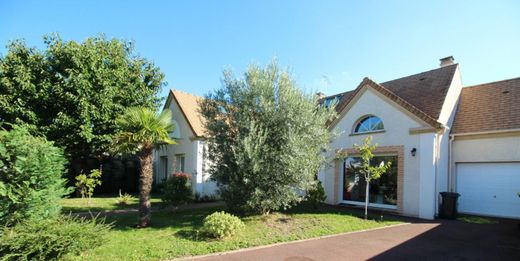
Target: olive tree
<point>265,138</point>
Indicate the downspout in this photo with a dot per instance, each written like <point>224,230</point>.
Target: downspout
<point>450,163</point>
<point>437,157</point>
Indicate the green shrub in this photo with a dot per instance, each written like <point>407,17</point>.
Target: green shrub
<point>316,195</point>
<point>50,239</point>
<point>124,199</point>
<point>177,189</point>
<point>87,183</point>
<point>31,182</point>
<point>206,198</point>
<point>221,225</point>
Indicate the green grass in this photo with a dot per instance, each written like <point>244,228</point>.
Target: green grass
<point>101,203</point>
<point>177,234</point>
<point>477,220</point>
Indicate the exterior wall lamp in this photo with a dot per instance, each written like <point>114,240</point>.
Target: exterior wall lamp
<point>413,152</point>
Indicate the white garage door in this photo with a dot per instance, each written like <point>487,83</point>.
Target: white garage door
<point>489,189</point>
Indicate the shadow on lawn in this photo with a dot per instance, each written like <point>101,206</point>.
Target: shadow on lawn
<point>165,219</point>
<point>187,223</point>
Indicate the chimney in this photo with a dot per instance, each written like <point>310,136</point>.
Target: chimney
<point>320,95</point>
<point>447,61</point>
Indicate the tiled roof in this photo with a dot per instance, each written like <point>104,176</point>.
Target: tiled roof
<point>489,107</point>
<point>423,93</point>
<point>188,103</point>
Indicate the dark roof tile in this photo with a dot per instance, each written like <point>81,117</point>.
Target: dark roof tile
<point>488,107</point>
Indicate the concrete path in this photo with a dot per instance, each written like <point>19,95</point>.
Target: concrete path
<point>439,240</point>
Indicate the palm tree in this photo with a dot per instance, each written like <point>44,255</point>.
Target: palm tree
<point>141,130</point>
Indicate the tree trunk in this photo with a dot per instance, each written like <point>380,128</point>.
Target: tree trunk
<point>145,186</point>
<point>366,198</point>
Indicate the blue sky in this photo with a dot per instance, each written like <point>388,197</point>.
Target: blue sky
<point>329,46</point>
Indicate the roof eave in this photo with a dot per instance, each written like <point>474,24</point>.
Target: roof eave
<point>342,104</point>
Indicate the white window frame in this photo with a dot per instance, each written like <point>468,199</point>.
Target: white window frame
<point>180,167</point>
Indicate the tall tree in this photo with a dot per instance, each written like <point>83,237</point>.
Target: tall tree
<point>141,130</point>
<point>72,92</point>
<point>368,171</point>
<point>265,138</point>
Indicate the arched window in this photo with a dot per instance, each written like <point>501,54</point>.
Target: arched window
<point>369,124</point>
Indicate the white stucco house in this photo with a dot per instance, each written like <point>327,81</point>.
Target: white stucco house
<point>439,136</point>
<point>187,155</point>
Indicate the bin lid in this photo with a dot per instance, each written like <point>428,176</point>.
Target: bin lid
<point>450,194</point>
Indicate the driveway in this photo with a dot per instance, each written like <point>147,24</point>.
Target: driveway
<point>419,240</point>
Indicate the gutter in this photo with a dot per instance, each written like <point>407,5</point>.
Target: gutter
<point>450,162</point>
<point>485,132</point>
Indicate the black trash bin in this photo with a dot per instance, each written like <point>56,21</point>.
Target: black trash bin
<point>448,207</point>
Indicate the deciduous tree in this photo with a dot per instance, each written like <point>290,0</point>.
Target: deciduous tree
<point>368,171</point>
<point>72,92</point>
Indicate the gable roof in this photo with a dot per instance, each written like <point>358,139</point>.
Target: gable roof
<point>422,94</point>
<point>189,106</point>
<point>488,107</point>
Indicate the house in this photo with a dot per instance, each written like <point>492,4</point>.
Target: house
<point>187,155</point>
<point>439,136</point>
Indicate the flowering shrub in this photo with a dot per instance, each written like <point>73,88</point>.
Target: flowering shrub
<point>177,189</point>
<point>221,225</point>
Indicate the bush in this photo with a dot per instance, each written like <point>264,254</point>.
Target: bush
<point>124,199</point>
<point>87,183</point>
<point>205,198</point>
<point>177,189</point>
<point>316,195</point>
<point>31,181</point>
<point>50,239</point>
<point>221,225</point>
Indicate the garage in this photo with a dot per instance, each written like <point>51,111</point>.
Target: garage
<point>489,189</point>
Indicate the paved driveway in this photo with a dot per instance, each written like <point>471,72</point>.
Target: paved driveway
<point>436,240</point>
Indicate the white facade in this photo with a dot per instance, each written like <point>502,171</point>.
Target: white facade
<point>419,170</point>
<point>188,146</point>
<point>423,175</point>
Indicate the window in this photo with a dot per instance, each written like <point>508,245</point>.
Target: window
<point>369,124</point>
<point>329,101</point>
<point>382,192</point>
<point>163,168</point>
<point>179,163</point>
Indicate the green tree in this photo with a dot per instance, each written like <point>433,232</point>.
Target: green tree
<point>31,182</point>
<point>142,130</point>
<point>87,183</point>
<point>72,92</point>
<point>368,171</point>
<point>265,137</point>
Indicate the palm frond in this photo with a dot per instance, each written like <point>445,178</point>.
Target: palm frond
<point>142,127</point>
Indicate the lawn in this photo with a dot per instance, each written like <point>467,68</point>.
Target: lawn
<point>177,234</point>
<point>101,203</point>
